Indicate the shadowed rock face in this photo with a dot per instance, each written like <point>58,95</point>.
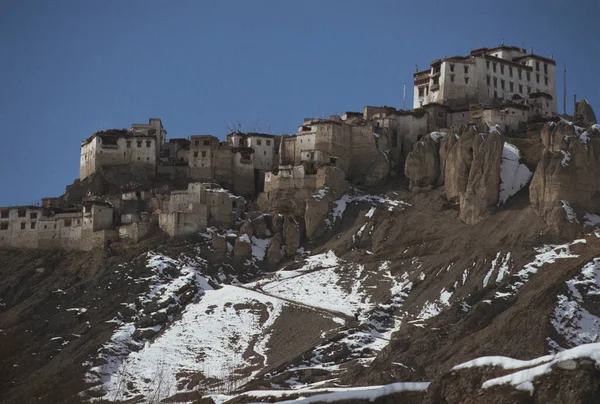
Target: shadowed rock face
<point>566,182</point>
<point>422,165</point>
<point>482,189</point>
<point>458,164</point>
<point>584,114</point>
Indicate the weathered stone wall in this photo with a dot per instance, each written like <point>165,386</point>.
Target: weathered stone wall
<point>183,223</point>
<point>243,174</point>
<point>28,227</point>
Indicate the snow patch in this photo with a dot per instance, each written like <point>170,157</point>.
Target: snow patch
<point>513,175</point>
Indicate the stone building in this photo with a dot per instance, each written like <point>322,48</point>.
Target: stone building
<point>79,228</point>
<point>138,148</point>
<point>488,76</point>
<point>200,205</point>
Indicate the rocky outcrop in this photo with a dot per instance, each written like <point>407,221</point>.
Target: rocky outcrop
<point>379,169</point>
<point>422,166</point>
<point>446,144</point>
<point>274,251</point>
<point>584,114</point>
<point>566,183</point>
<point>291,236</point>
<point>219,245</point>
<point>317,210</point>
<point>458,164</point>
<point>483,185</point>
<point>242,250</point>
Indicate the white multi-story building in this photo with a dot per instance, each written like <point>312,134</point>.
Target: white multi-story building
<point>489,76</point>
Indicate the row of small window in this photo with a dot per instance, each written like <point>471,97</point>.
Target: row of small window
<point>139,143</point>
<point>510,83</point>
<point>32,225</point>
<point>20,213</point>
<point>519,71</point>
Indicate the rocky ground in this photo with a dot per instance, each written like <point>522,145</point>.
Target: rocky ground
<point>476,281</point>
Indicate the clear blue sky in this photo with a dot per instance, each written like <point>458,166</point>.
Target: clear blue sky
<point>69,68</point>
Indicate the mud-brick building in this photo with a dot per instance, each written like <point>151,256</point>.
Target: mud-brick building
<point>488,76</point>
<point>138,147</point>
<point>200,205</point>
<point>81,228</point>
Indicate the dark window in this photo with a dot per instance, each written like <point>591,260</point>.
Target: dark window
<point>129,143</point>
<point>265,152</point>
<point>33,215</point>
<point>147,158</point>
<point>501,69</point>
<point>207,143</point>
<point>488,79</point>
<point>466,69</point>
<point>521,88</point>
<point>195,154</point>
<point>466,80</point>
<point>196,142</point>
<point>502,84</point>
<point>494,67</point>
<point>4,214</point>
<point>537,78</point>
<point>528,76</point>
<point>546,80</point>
<point>451,67</point>
<point>21,213</point>
<point>495,82</point>
<point>421,91</point>
<point>23,226</point>
<point>510,74</point>
<point>4,226</point>
<point>545,68</point>
<point>495,94</point>
<point>511,86</point>
<point>528,89</point>
<point>268,143</point>
<point>452,78</point>
<point>139,159</point>
<point>148,143</point>
<point>139,143</point>
<point>520,74</point>
<point>487,64</point>
<point>537,66</point>
<point>67,223</point>
<point>203,154</point>
<point>258,142</point>
<point>33,225</point>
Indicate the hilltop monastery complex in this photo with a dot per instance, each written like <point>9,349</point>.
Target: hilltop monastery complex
<point>504,85</point>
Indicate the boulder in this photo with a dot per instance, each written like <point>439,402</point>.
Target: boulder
<point>247,228</point>
<point>276,224</point>
<point>260,227</point>
<point>584,114</point>
<point>566,183</point>
<point>219,245</point>
<point>483,185</point>
<point>242,250</point>
<point>274,250</point>
<point>422,165</point>
<point>291,235</point>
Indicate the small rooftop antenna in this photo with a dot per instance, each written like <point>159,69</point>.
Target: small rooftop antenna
<point>416,68</point>
<point>531,50</point>
<point>404,97</point>
<point>502,43</point>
